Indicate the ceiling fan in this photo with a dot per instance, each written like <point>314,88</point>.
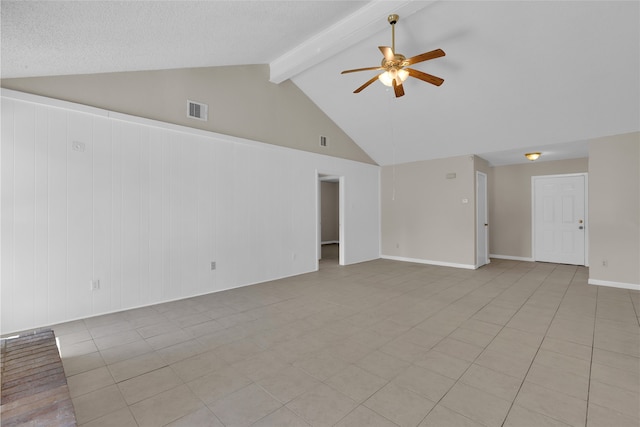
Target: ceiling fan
<point>395,65</point>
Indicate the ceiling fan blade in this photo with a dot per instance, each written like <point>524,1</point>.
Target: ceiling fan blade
<point>398,89</point>
<point>425,77</point>
<point>387,52</point>
<point>373,79</point>
<point>425,56</point>
<point>361,69</point>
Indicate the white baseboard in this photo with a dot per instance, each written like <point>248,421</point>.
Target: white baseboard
<point>513,258</point>
<point>151,304</point>
<point>430,262</point>
<point>634,286</point>
<point>475,267</point>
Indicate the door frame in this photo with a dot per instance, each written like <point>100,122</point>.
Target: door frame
<point>339,179</point>
<point>484,229</point>
<point>586,211</point>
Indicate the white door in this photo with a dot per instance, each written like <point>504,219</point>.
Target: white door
<point>482,221</point>
<point>559,219</point>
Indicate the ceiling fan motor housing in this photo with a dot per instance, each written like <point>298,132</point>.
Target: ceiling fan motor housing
<point>397,62</point>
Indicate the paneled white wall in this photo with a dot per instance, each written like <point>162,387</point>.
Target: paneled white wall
<point>147,206</point>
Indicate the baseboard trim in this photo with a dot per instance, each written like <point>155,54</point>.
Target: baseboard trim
<point>512,258</point>
<point>150,304</point>
<point>477,266</point>
<point>622,285</point>
<point>430,262</point>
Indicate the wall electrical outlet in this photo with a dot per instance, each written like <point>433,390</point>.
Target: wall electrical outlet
<point>213,265</point>
<point>95,285</point>
<point>605,263</point>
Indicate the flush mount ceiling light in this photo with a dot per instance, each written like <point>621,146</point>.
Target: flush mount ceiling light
<point>395,65</point>
<point>532,156</point>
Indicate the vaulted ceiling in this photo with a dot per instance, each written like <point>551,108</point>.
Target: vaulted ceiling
<point>518,75</point>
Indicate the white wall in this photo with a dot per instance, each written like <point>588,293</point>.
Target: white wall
<point>241,99</point>
<point>424,218</point>
<point>147,206</point>
<point>510,204</point>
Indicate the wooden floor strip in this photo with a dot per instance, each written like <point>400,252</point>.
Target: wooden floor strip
<point>34,386</point>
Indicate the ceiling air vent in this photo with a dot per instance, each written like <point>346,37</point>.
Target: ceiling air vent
<point>197,110</point>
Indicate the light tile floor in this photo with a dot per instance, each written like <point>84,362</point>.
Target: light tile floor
<point>381,343</point>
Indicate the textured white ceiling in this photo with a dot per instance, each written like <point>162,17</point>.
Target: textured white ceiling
<point>518,75</point>
<point>81,37</point>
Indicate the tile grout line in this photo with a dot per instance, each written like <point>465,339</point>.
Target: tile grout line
<point>502,328</point>
<point>161,314</point>
<point>535,355</point>
<point>533,358</point>
<point>462,283</point>
<point>593,343</point>
<point>411,363</point>
<point>635,309</point>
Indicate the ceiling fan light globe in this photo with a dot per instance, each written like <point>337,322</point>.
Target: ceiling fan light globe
<point>393,74</point>
<point>387,77</point>
<point>402,75</point>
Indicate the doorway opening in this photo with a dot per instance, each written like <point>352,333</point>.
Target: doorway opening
<point>330,234</point>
